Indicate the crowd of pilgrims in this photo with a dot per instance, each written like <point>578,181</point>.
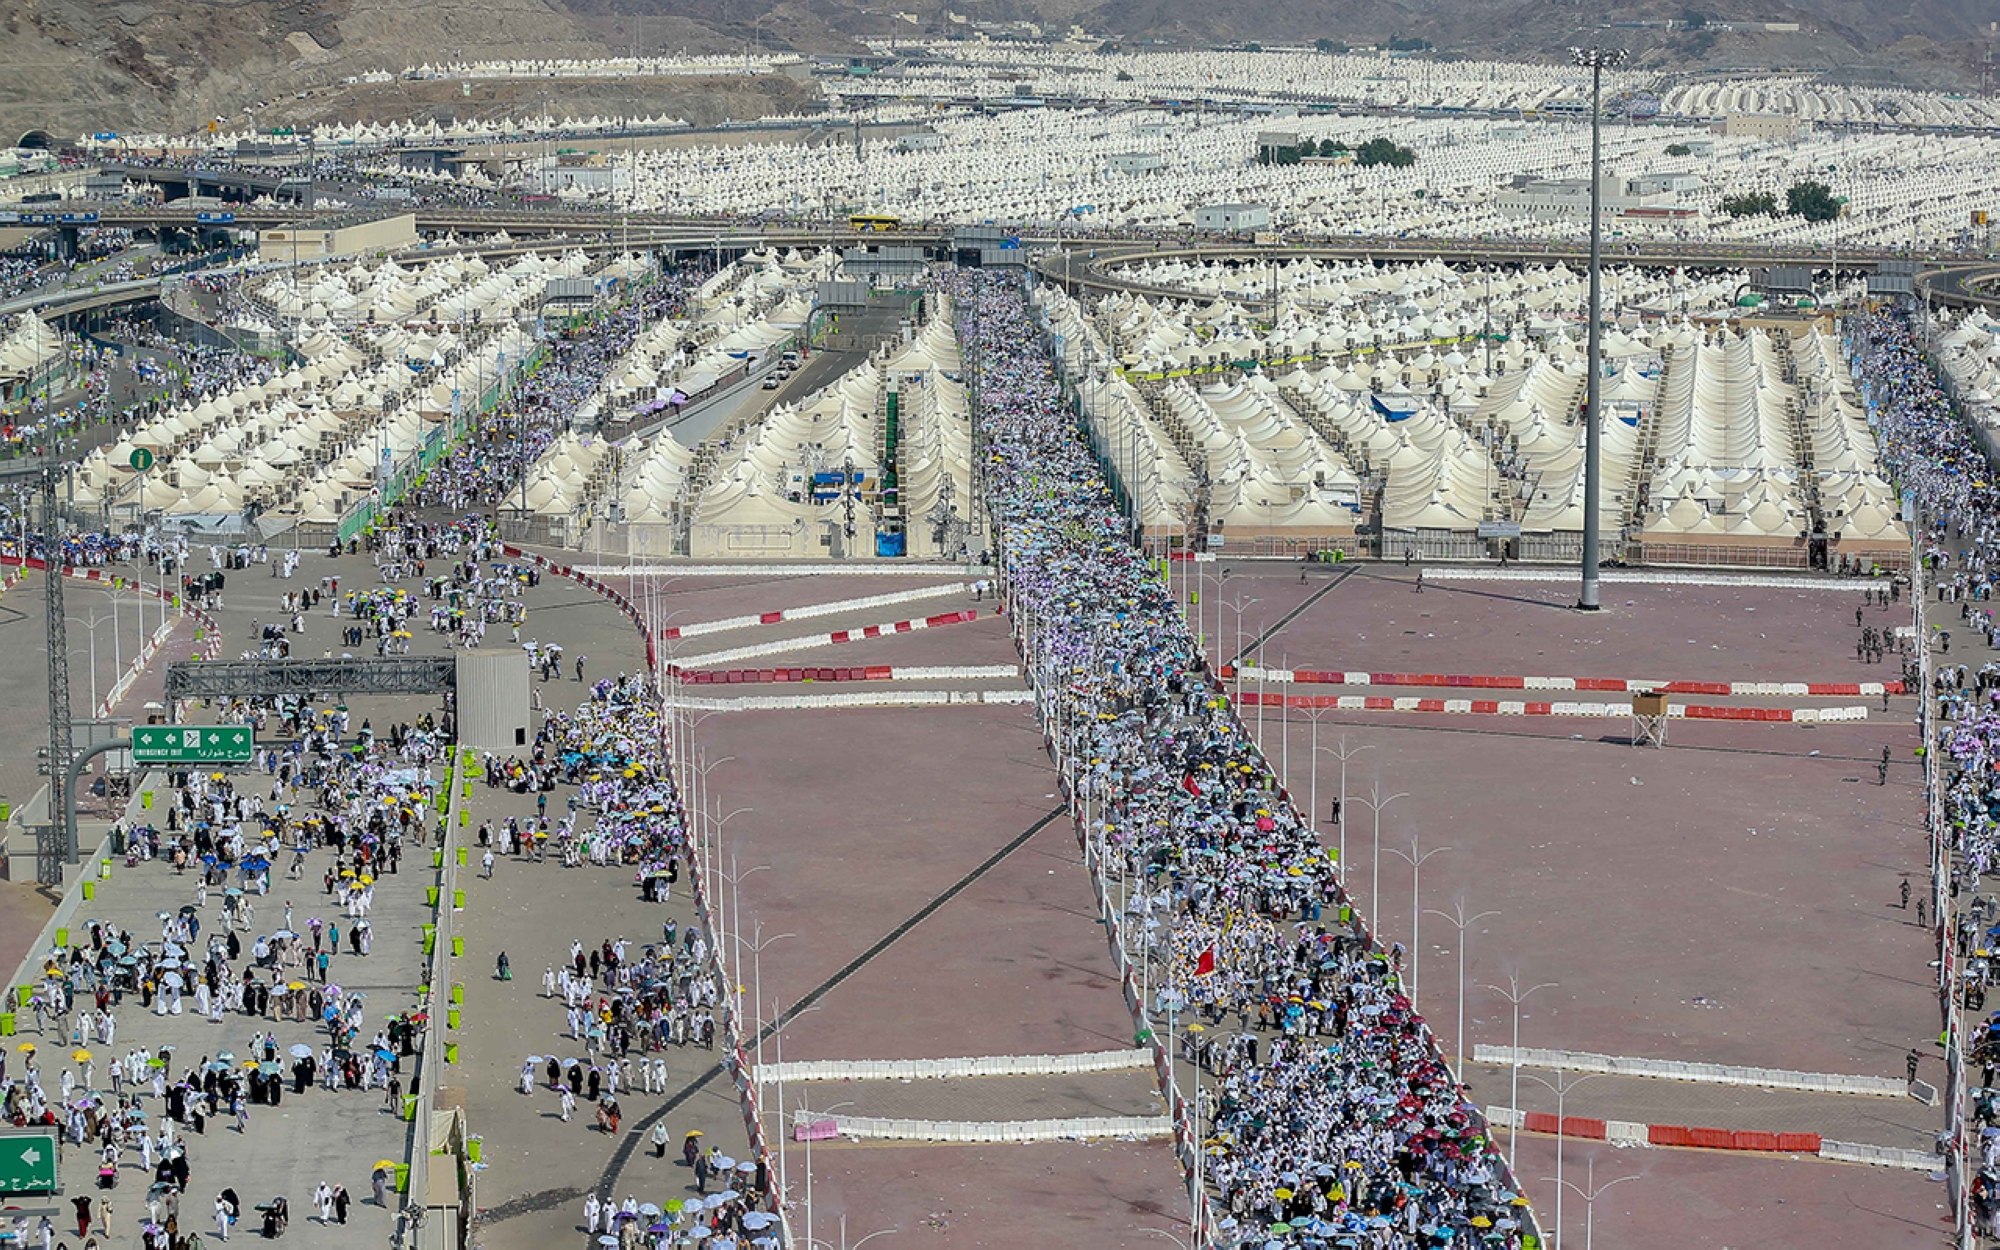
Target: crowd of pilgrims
<point>548,401</point>
<point>1343,1126</point>
<point>1932,455</point>
<point>345,803</point>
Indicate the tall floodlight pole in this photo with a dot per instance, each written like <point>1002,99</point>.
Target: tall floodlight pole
<point>49,867</point>
<point>1596,60</point>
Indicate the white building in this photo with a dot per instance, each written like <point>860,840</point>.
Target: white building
<point>579,175</point>
<point>1230,218</point>
<point>1568,199</point>
<point>1781,126</point>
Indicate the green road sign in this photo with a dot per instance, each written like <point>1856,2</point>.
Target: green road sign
<point>193,744</point>
<point>28,1160</point>
<point>142,459</point>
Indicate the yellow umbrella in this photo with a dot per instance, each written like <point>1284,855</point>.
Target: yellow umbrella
<point>295,985</point>
<point>249,1063</point>
<point>81,1056</point>
<point>1281,1193</point>
<point>29,1047</point>
<point>347,872</point>
<point>383,1163</point>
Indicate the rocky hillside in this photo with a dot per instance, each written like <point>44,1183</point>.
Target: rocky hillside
<point>72,66</point>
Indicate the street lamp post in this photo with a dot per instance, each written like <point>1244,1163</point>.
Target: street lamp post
<point>1236,659</point>
<point>1596,60</point>
<point>91,626</point>
<point>1516,995</point>
<point>809,1161</point>
<point>1416,861</point>
<point>1376,803</point>
<point>757,944</point>
<point>1458,917</point>
<point>732,932</point>
<point>1589,1192</point>
<point>1342,753</point>
<point>1561,1089</point>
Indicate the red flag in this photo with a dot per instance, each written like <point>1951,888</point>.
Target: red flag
<point>1206,964</point>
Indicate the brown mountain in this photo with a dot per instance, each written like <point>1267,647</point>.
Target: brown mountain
<point>72,66</point>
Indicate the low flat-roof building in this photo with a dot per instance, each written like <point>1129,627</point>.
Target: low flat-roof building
<point>1762,126</point>
<point>1232,217</point>
<point>358,233</point>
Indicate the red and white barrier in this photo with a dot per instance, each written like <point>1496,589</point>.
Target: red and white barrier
<point>808,641</point>
<point>1505,707</point>
<point>1607,685</point>
<point>872,672</point>
<point>807,612</point>
<point>1630,1132</point>
<point>856,699</point>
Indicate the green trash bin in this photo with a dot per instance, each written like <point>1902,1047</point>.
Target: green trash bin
<point>462,850</point>
<point>403,1169</point>
<point>409,1106</point>
<point>458,994</point>
<point>6,1024</point>
<point>89,891</point>
<point>451,1052</point>
<point>431,897</point>
<point>451,1017</point>
<point>62,941</point>
<point>458,900</point>
<point>430,942</point>
<point>437,860</point>
<point>23,995</point>
<point>458,946</point>
<point>473,1148</point>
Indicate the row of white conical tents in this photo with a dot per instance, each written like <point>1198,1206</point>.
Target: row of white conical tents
<point>724,64</point>
<point>29,347</point>
<point>1044,167</point>
<point>308,443</point>
<point>742,312</point>
<point>452,290</point>
<point>762,494</point>
<point>1747,427</point>
<point>1968,347</point>
<point>304,445</point>
<point>954,69</point>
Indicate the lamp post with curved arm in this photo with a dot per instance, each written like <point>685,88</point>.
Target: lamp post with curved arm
<point>809,1161</point>
<point>1516,995</point>
<point>1458,917</point>
<point>731,929</point>
<point>1416,862</point>
<point>1561,1089</point>
<point>1589,1192</point>
<point>757,944</point>
<point>880,1232</point>
<point>1376,803</point>
<point>1343,754</point>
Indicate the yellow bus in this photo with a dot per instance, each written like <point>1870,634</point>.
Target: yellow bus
<point>878,222</point>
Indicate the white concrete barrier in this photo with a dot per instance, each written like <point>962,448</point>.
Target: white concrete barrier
<point>1656,578</point>
<point>1696,1073</point>
<point>948,1069</point>
<point>1086,1128</point>
<point>1879,1156</point>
